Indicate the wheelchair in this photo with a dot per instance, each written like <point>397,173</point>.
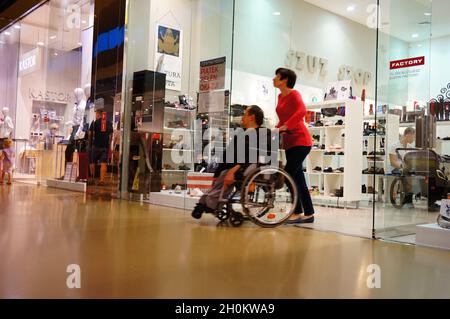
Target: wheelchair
<point>267,196</point>
<point>424,166</point>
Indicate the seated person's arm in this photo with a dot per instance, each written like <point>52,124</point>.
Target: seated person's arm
<point>395,162</point>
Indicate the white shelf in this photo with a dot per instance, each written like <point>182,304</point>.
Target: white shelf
<point>178,109</point>
<point>372,117</point>
<point>315,127</point>
<point>175,149</point>
<point>326,104</point>
<point>178,129</point>
<point>333,173</point>
<point>335,127</point>
<point>176,171</point>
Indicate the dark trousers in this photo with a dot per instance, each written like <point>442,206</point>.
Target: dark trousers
<point>294,166</point>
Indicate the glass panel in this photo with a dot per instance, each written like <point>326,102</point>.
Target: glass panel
<point>323,43</point>
<point>53,90</point>
<point>406,121</point>
<point>165,43</point>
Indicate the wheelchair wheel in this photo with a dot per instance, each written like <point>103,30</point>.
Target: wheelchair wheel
<point>236,219</point>
<point>398,193</point>
<point>223,214</point>
<point>269,196</point>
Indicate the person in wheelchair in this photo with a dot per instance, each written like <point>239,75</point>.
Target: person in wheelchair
<point>234,168</point>
<point>407,140</point>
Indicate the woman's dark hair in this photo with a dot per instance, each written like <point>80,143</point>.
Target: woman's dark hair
<point>258,113</point>
<point>287,74</point>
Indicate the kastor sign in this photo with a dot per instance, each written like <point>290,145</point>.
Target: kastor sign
<point>407,63</point>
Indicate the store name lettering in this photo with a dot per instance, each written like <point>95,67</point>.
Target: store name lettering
<point>27,63</point>
<point>301,61</point>
<point>51,96</point>
<point>210,73</point>
<point>407,63</point>
<point>316,65</point>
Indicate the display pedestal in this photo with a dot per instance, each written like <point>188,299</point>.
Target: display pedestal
<point>181,201</point>
<point>61,184</point>
<point>431,235</point>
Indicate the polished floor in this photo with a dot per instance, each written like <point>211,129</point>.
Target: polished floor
<point>133,250</point>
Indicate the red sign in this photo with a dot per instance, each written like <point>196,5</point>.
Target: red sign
<point>212,75</point>
<point>407,63</point>
<point>103,128</point>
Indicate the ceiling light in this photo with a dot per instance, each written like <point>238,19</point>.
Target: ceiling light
<point>55,54</point>
<point>17,26</point>
<point>420,45</point>
<point>351,8</point>
<point>415,35</point>
<point>276,13</point>
<point>7,33</point>
<point>53,37</point>
<point>84,22</point>
<point>427,14</point>
<point>41,44</point>
<point>80,44</point>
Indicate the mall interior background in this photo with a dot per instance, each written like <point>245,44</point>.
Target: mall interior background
<point>256,37</point>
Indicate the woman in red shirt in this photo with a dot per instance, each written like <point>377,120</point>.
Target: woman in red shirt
<point>291,111</point>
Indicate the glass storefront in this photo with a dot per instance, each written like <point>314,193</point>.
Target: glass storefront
<point>174,77</point>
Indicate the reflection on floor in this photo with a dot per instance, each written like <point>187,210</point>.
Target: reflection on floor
<point>135,250</point>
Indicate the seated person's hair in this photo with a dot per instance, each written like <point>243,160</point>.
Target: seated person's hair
<point>258,113</point>
<point>7,143</point>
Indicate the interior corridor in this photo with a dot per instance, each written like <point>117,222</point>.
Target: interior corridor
<point>132,250</point>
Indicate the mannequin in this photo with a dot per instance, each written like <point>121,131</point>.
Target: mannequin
<point>77,122</point>
<point>6,124</point>
<point>78,115</point>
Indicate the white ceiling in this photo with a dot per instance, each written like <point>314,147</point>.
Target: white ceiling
<point>47,24</point>
<point>400,18</point>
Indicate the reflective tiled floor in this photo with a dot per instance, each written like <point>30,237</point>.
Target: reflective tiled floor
<point>130,250</point>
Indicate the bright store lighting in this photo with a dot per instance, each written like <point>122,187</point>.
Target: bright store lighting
<point>84,22</point>
<point>40,43</point>
<point>415,35</point>
<point>17,26</point>
<point>427,14</point>
<point>7,33</point>
<point>53,37</point>
<point>351,8</point>
<point>276,13</point>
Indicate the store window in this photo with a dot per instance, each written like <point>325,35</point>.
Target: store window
<point>413,90</point>
<point>171,46</point>
<point>47,88</point>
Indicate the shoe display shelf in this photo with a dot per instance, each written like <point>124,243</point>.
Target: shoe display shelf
<point>376,157</point>
<point>336,139</point>
<point>178,147</point>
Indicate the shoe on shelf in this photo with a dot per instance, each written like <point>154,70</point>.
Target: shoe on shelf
<point>328,170</point>
<point>317,169</point>
<point>341,153</point>
<point>364,189</point>
<point>339,170</point>
<point>339,123</point>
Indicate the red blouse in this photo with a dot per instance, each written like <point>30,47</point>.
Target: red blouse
<point>291,111</point>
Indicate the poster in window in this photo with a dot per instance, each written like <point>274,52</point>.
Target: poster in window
<point>169,55</point>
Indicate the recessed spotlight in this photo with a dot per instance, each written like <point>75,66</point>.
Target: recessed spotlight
<point>7,33</point>
<point>420,45</point>
<point>276,13</point>
<point>80,44</point>
<point>415,35</point>
<point>17,26</point>
<point>427,14</point>
<point>53,37</point>
<point>83,21</point>
<point>41,44</point>
<point>351,8</point>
